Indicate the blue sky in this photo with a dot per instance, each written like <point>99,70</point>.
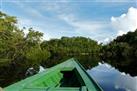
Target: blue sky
<point>101,20</point>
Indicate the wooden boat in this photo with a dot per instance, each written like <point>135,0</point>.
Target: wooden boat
<point>67,76</point>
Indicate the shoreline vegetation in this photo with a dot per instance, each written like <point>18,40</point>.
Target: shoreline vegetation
<point>20,51</point>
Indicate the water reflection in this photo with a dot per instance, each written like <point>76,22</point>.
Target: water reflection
<point>111,79</point>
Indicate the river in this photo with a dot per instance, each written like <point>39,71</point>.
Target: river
<point>110,79</point>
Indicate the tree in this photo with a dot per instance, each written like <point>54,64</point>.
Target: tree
<point>17,51</point>
<point>124,50</point>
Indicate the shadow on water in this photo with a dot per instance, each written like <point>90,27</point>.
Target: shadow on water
<point>127,65</point>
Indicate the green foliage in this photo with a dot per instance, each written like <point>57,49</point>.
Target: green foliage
<point>34,37</point>
<point>36,55</point>
<point>71,46</point>
<point>123,46</point>
<point>124,50</point>
<point>18,51</point>
<point>7,22</point>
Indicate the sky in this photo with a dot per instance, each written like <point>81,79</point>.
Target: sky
<point>101,20</point>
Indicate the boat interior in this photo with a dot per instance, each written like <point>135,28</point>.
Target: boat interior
<point>62,80</point>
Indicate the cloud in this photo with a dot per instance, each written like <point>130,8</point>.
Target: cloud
<point>125,22</point>
<point>106,40</point>
<point>124,81</point>
<point>29,23</point>
<point>65,11</point>
<point>86,27</point>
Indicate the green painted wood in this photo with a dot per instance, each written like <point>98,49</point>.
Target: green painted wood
<point>67,76</point>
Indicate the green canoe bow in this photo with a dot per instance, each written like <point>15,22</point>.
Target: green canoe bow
<point>67,76</point>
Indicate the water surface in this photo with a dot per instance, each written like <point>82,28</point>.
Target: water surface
<point>110,79</point>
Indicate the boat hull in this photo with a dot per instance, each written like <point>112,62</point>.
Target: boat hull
<point>67,76</point>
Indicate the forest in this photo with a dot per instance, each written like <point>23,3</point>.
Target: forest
<point>122,52</point>
<point>20,51</point>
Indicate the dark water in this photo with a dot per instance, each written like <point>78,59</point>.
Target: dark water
<point>110,79</point>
